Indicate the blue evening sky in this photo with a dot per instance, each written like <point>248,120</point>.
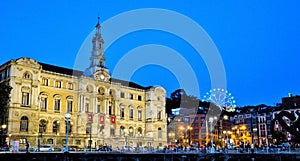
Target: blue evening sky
<point>259,41</point>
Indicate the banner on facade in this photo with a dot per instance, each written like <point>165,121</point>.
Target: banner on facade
<point>113,120</point>
<point>90,117</point>
<point>101,119</point>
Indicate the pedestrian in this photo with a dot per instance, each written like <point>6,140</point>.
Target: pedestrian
<point>27,146</point>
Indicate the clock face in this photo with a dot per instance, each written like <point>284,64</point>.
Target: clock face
<point>102,76</point>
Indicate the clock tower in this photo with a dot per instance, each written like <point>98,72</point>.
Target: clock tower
<point>97,68</point>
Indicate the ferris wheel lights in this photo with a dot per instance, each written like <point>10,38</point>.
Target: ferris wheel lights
<point>222,98</point>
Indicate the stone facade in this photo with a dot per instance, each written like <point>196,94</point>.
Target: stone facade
<point>108,111</point>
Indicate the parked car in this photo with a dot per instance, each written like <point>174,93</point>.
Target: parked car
<point>127,148</point>
<point>4,148</point>
<point>44,148</point>
<point>104,148</point>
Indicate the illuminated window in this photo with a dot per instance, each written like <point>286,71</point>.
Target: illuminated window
<point>58,84</point>
<point>25,98</point>
<point>45,81</point>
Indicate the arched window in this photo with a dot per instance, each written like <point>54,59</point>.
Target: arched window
<point>57,102</point>
<point>110,110</point>
<point>88,128</point>
<point>112,93</point>
<point>49,141</point>
<point>159,135</point>
<point>130,131</point>
<point>42,126</point>
<point>89,88</point>
<point>112,131</point>
<point>101,90</point>
<point>58,83</point>
<point>140,131</point>
<point>27,75</point>
<point>140,116</point>
<point>70,126</point>
<point>130,112</point>
<point>43,101</point>
<point>87,105</point>
<point>69,104</point>
<point>45,81</point>
<point>122,112</point>
<point>25,95</point>
<point>24,124</point>
<point>98,108</point>
<point>122,131</point>
<point>159,116</point>
<point>56,126</point>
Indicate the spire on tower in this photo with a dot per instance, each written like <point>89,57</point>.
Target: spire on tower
<point>98,24</point>
<point>97,60</point>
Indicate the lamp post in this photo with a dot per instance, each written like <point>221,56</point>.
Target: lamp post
<point>90,141</point>
<point>67,120</point>
<point>226,136</point>
<point>57,131</point>
<point>3,133</point>
<point>9,139</point>
<point>211,120</point>
<point>190,128</point>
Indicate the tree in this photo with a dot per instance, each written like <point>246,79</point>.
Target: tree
<point>5,90</point>
<point>181,99</point>
<point>279,136</point>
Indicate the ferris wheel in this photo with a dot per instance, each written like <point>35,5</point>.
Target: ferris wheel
<point>221,98</point>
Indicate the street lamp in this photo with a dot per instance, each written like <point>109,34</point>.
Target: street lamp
<point>226,136</point>
<point>90,141</point>
<point>211,120</point>
<point>3,133</point>
<point>190,128</point>
<point>67,120</point>
<point>243,129</point>
<point>9,139</point>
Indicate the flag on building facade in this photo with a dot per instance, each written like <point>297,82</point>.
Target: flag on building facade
<point>90,117</point>
<point>112,119</point>
<point>101,119</point>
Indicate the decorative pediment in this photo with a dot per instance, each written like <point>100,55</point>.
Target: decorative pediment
<point>101,75</point>
<point>160,89</point>
<point>28,62</point>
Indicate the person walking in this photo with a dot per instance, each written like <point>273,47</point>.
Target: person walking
<point>27,146</point>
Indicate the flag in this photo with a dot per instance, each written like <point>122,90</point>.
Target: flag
<point>90,117</point>
<point>112,119</point>
<point>101,119</point>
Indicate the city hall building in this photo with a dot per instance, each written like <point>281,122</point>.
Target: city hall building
<point>104,110</point>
